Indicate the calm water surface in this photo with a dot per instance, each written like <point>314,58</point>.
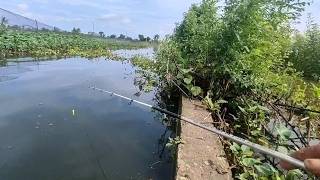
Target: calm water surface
<point>41,139</point>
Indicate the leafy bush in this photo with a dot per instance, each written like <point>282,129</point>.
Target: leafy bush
<point>237,63</point>
<point>305,54</point>
<point>240,52</point>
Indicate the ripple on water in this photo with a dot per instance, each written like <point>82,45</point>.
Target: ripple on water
<point>7,78</point>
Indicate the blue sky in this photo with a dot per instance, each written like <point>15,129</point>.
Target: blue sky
<point>130,17</point>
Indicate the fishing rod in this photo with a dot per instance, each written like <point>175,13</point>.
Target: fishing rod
<point>298,108</point>
<point>256,147</point>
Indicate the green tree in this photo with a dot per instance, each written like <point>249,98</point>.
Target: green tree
<point>101,34</point>
<point>141,37</point>
<point>156,37</point>
<point>121,36</point>
<point>129,38</point>
<point>113,36</point>
<point>76,30</point>
<point>306,51</point>
<point>55,29</point>
<point>3,25</point>
<point>4,21</point>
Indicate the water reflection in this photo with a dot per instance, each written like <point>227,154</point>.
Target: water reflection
<point>41,138</point>
<point>3,63</point>
<point>148,52</point>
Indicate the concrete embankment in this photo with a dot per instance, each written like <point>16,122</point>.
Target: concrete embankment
<point>201,155</point>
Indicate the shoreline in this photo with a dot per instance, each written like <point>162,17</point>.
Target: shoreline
<point>201,155</point>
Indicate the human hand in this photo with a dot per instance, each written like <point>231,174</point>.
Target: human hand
<point>311,158</point>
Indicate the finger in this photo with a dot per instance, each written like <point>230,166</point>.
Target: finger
<point>286,165</point>
<point>313,165</point>
<point>312,152</point>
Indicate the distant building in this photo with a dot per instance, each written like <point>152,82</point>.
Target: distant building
<point>93,34</point>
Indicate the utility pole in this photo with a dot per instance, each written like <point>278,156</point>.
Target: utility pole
<point>37,25</point>
<point>93,27</point>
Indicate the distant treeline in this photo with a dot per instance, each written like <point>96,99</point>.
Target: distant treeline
<point>141,37</point>
<point>101,34</point>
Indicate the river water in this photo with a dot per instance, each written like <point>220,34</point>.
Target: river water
<point>53,127</point>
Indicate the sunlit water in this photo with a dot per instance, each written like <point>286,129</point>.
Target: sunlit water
<point>147,52</point>
<point>105,138</point>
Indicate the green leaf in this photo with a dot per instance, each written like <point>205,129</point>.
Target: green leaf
<point>196,90</point>
<point>246,48</point>
<point>283,149</point>
<point>316,91</point>
<point>208,100</point>
<point>212,106</point>
<point>221,101</point>
<point>244,176</point>
<point>180,76</point>
<point>255,132</point>
<point>235,148</point>
<point>264,108</point>
<point>169,145</point>
<point>188,80</point>
<point>294,175</point>
<point>237,126</point>
<point>242,110</point>
<point>283,132</point>
<point>246,151</point>
<point>245,148</point>
<point>264,170</point>
<point>186,71</point>
<point>250,162</point>
<point>253,108</point>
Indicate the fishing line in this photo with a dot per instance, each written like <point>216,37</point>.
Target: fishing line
<point>96,158</point>
<point>298,108</point>
<point>256,147</point>
<point>91,146</point>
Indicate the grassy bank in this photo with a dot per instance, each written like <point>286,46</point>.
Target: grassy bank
<point>241,65</point>
<point>16,43</point>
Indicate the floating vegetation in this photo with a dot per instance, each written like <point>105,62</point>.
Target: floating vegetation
<point>16,43</point>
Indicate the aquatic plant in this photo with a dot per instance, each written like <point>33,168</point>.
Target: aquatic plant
<point>17,43</point>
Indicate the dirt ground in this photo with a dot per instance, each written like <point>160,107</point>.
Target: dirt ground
<point>201,155</point>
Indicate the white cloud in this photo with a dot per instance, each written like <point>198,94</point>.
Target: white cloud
<point>41,1</point>
<point>59,18</point>
<point>23,9</point>
<point>87,3</point>
<point>176,5</point>
<point>114,18</point>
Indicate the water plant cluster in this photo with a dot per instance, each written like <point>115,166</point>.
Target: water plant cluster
<point>245,62</point>
<point>18,43</point>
